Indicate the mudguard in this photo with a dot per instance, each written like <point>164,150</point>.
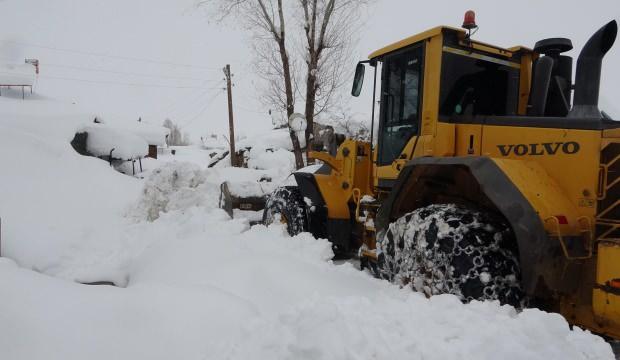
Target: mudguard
<point>337,231</point>
<point>489,183</point>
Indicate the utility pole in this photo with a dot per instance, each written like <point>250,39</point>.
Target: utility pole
<point>231,125</point>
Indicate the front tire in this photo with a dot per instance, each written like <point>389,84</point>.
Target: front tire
<point>286,204</point>
<point>451,249</point>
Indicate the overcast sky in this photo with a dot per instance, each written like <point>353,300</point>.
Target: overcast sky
<point>162,58</point>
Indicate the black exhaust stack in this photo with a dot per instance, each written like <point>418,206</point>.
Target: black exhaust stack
<point>588,76</point>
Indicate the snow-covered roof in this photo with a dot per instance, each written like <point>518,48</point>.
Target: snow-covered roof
<point>15,75</point>
<point>152,134</point>
<point>103,138</point>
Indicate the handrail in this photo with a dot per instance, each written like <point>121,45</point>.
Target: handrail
<point>558,234</point>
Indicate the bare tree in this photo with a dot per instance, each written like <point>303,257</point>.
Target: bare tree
<point>330,27</point>
<point>325,35</point>
<point>266,18</point>
<point>351,126</point>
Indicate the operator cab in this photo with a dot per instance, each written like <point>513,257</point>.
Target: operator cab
<point>442,77</point>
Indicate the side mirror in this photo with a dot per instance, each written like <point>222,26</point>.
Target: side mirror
<point>297,122</point>
<point>358,81</point>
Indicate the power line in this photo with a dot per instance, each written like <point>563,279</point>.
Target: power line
<point>174,104</point>
<point>83,68</point>
<point>189,122</point>
<point>120,83</point>
<point>130,58</point>
<point>186,107</point>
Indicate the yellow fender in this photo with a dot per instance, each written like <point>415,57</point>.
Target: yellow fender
<point>522,191</point>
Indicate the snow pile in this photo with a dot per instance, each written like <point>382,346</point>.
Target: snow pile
<point>104,140</point>
<point>61,212</point>
<point>248,188</point>
<point>181,185</point>
<point>176,185</point>
<point>280,161</point>
<point>13,75</point>
<point>272,152</point>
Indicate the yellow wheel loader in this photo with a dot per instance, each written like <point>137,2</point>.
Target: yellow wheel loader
<point>495,176</point>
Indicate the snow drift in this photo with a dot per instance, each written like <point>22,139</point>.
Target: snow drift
<point>199,285</point>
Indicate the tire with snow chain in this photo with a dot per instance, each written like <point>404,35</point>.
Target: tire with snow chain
<point>451,249</point>
<point>286,204</point>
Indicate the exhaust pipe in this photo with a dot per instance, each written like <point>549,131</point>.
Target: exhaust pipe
<point>588,76</point>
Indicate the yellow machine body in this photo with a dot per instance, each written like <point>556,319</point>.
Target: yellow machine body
<point>568,177</point>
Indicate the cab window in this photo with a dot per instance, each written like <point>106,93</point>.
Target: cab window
<point>473,86</point>
<point>400,105</point>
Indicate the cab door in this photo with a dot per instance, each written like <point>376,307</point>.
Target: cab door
<point>401,99</point>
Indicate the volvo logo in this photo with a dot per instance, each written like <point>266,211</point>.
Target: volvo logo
<point>569,148</point>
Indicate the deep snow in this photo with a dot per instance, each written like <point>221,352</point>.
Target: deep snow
<point>208,288</point>
<point>195,284</point>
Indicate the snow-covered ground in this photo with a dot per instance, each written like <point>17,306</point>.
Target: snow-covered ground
<point>195,284</point>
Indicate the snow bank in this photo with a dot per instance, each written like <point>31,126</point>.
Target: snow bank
<point>173,186</point>
<point>178,185</point>
<point>103,140</point>
<point>61,212</point>
<point>280,162</point>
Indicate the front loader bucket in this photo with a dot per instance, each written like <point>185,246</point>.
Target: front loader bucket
<point>248,198</point>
